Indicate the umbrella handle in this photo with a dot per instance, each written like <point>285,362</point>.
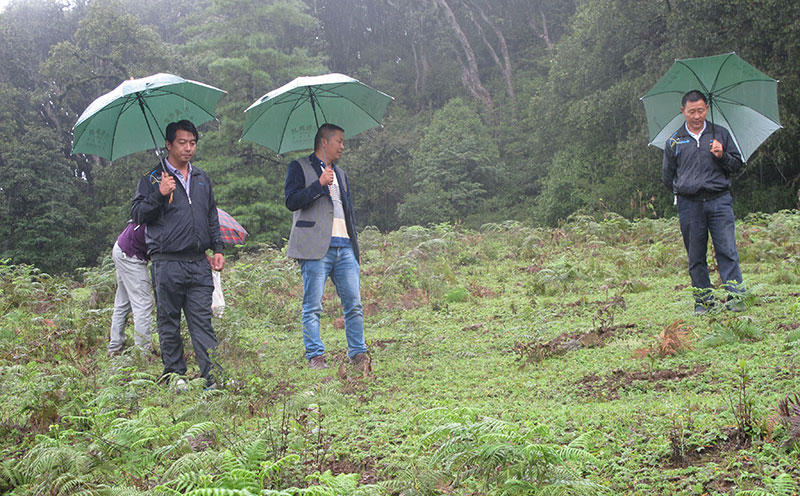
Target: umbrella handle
<point>163,167</point>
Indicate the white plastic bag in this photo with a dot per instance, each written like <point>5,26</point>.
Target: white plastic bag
<point>217,299</point>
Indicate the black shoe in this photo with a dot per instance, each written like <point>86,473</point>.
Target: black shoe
<point>735,305</point>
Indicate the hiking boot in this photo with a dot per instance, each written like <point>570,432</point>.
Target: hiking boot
<point>318,362</point>
<point>113,353</point>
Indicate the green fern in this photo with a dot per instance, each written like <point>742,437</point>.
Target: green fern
<point>124,491</point>
<point>503,459</point>
<point>782,485</point>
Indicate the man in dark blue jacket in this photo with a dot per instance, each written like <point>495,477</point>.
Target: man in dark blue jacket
<point>699,159</point>
<point>182,223</point>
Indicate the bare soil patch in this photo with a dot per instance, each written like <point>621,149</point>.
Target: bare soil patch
<point>608,387</point>
<point>533,351</point>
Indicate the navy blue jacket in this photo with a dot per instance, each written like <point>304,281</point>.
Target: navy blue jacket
<point>692,171</point>
<point>185,228</point>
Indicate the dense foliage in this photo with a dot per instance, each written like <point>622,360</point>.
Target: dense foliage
<point>509,360</point>
<point>504,109</point>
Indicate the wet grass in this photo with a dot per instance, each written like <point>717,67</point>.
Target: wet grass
<point>537,328</point>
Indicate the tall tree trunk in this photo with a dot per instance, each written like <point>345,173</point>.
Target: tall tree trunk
<point>469,65</point>
<point>540,31</point>
<point>505,64</point>
<point>421,65</point>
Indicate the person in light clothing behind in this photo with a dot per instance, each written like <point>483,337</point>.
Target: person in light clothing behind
<point>133,290</point>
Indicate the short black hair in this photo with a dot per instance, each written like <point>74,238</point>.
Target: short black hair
<point>325,131</point>
<point>693,96</point>
<point>183,125</point>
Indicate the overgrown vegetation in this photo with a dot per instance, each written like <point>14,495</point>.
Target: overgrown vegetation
<point>487,378</point>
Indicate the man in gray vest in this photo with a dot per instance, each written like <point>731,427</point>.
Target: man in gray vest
<point>323,239</point>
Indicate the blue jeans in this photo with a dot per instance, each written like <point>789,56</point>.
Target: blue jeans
<point>697,220</point>
<point>341,265</point>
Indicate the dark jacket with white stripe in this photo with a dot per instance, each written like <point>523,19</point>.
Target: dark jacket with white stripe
<point>183,229</point>
<point>690,170</point>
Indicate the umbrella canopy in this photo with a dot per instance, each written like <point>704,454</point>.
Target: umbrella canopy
<point>741,98</point>
<point>286,119</point>
<point>232,232</point>
<point>133,116</point>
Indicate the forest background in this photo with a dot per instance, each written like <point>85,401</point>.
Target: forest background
<point>504,109</point>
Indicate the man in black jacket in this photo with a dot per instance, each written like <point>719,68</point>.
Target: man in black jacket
<point>699,159</point>
<point>180,212</point>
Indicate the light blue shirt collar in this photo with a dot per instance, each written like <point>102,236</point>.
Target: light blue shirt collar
<point>175,172</point>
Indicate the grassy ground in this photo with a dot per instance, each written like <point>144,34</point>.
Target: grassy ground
<point>510,360</point>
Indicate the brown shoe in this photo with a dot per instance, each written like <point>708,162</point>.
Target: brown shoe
<point>362,362</point>
<point>318,362</point>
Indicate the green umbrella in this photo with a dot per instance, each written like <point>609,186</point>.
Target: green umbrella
<point>133,115</point>
<point>286,119</point>
<point>741,98</point>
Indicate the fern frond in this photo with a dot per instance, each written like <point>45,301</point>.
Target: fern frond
<point>569,453</point>
<point>218,491</point>
<point>341,484</point>
<point>200,428</point>
<point>268,468</point>
<point>541,430</point>
<point>12,475</point>
<point>254,454</point>
<point>239,479</point>
<point>229,461</point>
<point>459,415</point>
<point>783,485</point>
<point>539,454</point>
<point>583,441</point>
<point>185,481</point>
<point>124,491</point>
<point>143,383</point>
<point>47,461</point>
<point>493,455</point>
<point>67,484</point>
<point>83,422</point>
<point>190,462</point>
<point>163,489</point>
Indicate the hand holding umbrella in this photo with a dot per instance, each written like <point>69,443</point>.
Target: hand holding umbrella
<point>167,185</point>
<point>326,178</point>
<point>716,148</point>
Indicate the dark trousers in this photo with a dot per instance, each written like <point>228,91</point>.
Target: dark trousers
<point>697,220</point>
<point>187,286</point>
